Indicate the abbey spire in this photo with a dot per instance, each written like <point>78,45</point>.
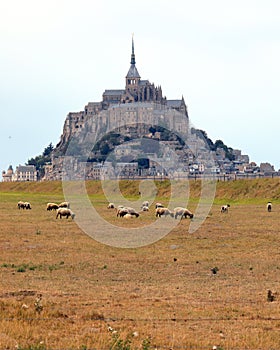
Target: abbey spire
<point>132,77</point>
<point>132,53</point>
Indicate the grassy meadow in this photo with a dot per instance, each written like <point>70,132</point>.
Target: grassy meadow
<point>61,289</point>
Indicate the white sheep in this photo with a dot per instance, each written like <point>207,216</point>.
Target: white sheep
<point>127,210</point>
<point>164,211</point>
<point>64,212</point>
<point>52,206</point>
<point>183,212</point>
<point>269,207</point>
<point>64,205</point>
<point>128,216</point>
<point>111,206</point>
<point>224,208</point>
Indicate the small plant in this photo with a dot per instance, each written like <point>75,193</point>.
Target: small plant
<point>215,270</point>
<point>21,269</point>
<point>38,232</point>
<point>146,344</point>
<point>38,304</point>
<point>120,344</point>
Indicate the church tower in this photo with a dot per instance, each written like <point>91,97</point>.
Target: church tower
<point>132,77</point>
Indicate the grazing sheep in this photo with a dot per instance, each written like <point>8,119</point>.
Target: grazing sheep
<point>21,205</point>
<point>127,210</point>
<point>27,205</point>
<point>128,216</point>
<point>224,208</point>
<point>145,208</point>
<point>159,205</point>
<point>183,212</point>
<point>121,210</point>
<point>52,206</point>
<point>145,204</point>
<point>132,211</point>
<point>269,207</point>
<point>64,212</point>
<point>111,206</point>
<point>164,211</point>
<point>64,205</point>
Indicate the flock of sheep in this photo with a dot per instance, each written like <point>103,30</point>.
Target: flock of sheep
<point>160,210</point>
<point>63,210</point>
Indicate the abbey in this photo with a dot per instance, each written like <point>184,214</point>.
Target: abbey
<point>136,90</point>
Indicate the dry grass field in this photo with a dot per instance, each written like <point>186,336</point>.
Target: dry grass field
<point>60,289</point>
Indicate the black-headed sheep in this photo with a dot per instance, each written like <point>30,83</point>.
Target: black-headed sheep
<point>269,207</point>
<point>224,208</point>
<point>159,205</point>
<point>145,208</point>
<point>52,206</point>
<point>21,205</point>
<point>64,212</point>
<point>24,205</point>
<point>164,212</point>
<point>111,206</point>
<point>145,204</point>
<point>64,205</point>
<point>182,212</point>
<point>27,205</point>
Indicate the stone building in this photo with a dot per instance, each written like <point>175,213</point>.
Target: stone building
<point>22,173</point>
<point>8,176</point>
<point>136,90</point>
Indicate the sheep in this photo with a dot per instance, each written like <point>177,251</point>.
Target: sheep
<point>127,210</point>
<point>121,210</point>
<point>24,205</point>
<point>159,205</point>
<point>145,208</point>
<point>21,205</point>
<point>183,212</point>
<point>163,211</point>
<point>145,204</point>
<point>224,208</point>
<point>64,212</point>
<point>52,206</point>
<point>128,216</point>
<point>64,205</point>
<point>269,207</point>
<point>132,211</point>
<point>111,206</point>
<point>27,205</point>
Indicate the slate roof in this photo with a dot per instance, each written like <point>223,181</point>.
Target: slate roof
<point>133,72</point>
<point>143,82</point>
<point>174,103</point>
<point>113,92</point>
<point>25,168</point>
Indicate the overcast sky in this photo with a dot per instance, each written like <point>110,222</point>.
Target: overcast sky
<point>222,56</point>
